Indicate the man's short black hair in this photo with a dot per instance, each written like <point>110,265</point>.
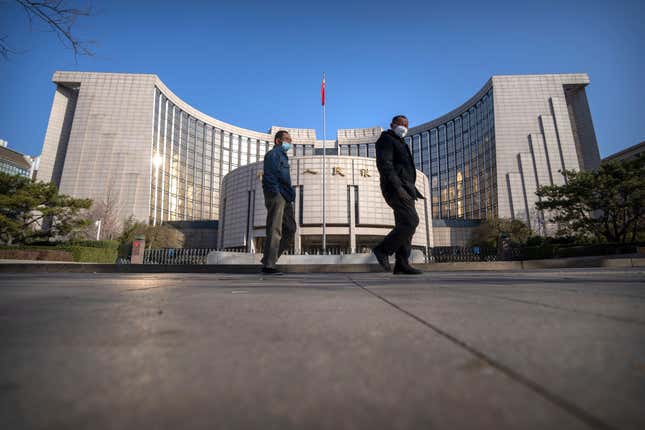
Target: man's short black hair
<point>398,117</point>
<point>279,135</point>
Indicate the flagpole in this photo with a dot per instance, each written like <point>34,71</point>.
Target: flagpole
<point>324,175</point>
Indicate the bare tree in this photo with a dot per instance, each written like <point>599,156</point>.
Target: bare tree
<point>107,212</point>
<point>59,18</point>
<point>5,51</point>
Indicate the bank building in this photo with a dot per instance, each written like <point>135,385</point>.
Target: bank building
<point>165,161</point>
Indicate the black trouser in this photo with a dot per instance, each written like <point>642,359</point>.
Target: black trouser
<point>406,220</point>
<point>280,228</point>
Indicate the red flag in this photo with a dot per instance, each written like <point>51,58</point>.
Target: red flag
<point>322,90</point>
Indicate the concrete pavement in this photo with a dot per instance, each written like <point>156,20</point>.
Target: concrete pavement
<point>506,350</point>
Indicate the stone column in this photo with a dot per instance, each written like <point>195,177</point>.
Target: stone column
<point>297,242</point>
<point>352,217</point>
<point>250,245</point>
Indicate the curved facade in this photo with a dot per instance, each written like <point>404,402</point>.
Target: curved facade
<point>487,157</point>
<point>129,138</point>
<point>191,152</point>
<point>457,152</point>
<point>357,216</point>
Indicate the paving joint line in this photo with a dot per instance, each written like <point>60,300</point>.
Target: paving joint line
<point>595,293</point>
<point>548,306</point>
<point>560,402</point>
<point>144,288</point>
<point>549,288</point>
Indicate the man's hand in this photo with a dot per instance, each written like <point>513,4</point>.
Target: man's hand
<point>403,195</point>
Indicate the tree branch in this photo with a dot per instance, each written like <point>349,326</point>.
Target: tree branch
<point>60,20</point>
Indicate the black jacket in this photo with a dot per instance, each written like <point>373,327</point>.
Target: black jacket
<point>395,165</point>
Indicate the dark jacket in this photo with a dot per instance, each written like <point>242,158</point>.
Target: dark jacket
<point>276,177</point>
<point>395,165</point>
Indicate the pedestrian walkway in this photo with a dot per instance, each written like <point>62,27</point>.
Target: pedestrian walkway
<point>549,349</point>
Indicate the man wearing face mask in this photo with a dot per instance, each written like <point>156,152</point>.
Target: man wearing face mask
<point>398,176</point>
<point>279,196</point>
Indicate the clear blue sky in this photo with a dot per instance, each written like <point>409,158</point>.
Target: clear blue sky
<point>259,63</point>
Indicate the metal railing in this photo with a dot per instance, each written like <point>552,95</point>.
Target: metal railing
<point>176,256</point>
<point>307,251</point>
<point>450,254</point>
<point>318,251</point>
<point>199,255</point>
<point>439,254</point>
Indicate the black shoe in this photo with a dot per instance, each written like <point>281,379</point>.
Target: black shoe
<point>271,271</point>
<point>406,269</point>
<point>382,258</point>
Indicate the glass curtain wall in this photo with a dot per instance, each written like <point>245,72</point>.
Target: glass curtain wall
<point>458,157</point>
<point>190,157</point>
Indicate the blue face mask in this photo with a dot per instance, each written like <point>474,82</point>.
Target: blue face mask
<point>286,146</point>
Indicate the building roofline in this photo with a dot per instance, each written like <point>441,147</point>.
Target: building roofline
<point>566,78</point>
<point>300,135</point>
<point>178,101</point>
<point>16,158</point>
<point>458,110</point>
<point>574,78</point>
<point>625,151</point>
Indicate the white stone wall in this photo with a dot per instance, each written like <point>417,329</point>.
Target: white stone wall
<point>352,136</point>
<point>57,135</point>
<point>109,143</point>
<point>535,140</point>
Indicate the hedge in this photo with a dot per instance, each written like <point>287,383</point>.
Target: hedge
<point>597,249</point>
<point>33,254</point>
<point>86,254</point>
<point>111,244</point>
<point>563,251</point>
<point>83,254</point>
<point>538,252</point>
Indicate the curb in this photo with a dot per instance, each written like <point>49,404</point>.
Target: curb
<point>562,263</point>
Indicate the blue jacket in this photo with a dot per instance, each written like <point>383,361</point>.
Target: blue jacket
<point>276,177</point>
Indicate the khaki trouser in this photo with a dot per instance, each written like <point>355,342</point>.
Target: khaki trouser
<point>280,228</point>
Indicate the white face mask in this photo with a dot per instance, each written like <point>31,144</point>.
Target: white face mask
<point>400,131</point>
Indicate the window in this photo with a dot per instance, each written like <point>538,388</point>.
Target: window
<point>425,147</point>
<point>244,150</point>
<point>362,150</point>
<point>226,161</point>
<point>199,138</point>
<point>235,151</point>
<point>451,138</point>
<point>416,150</point>
<point>371,150</point>
<point>253,151</point>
